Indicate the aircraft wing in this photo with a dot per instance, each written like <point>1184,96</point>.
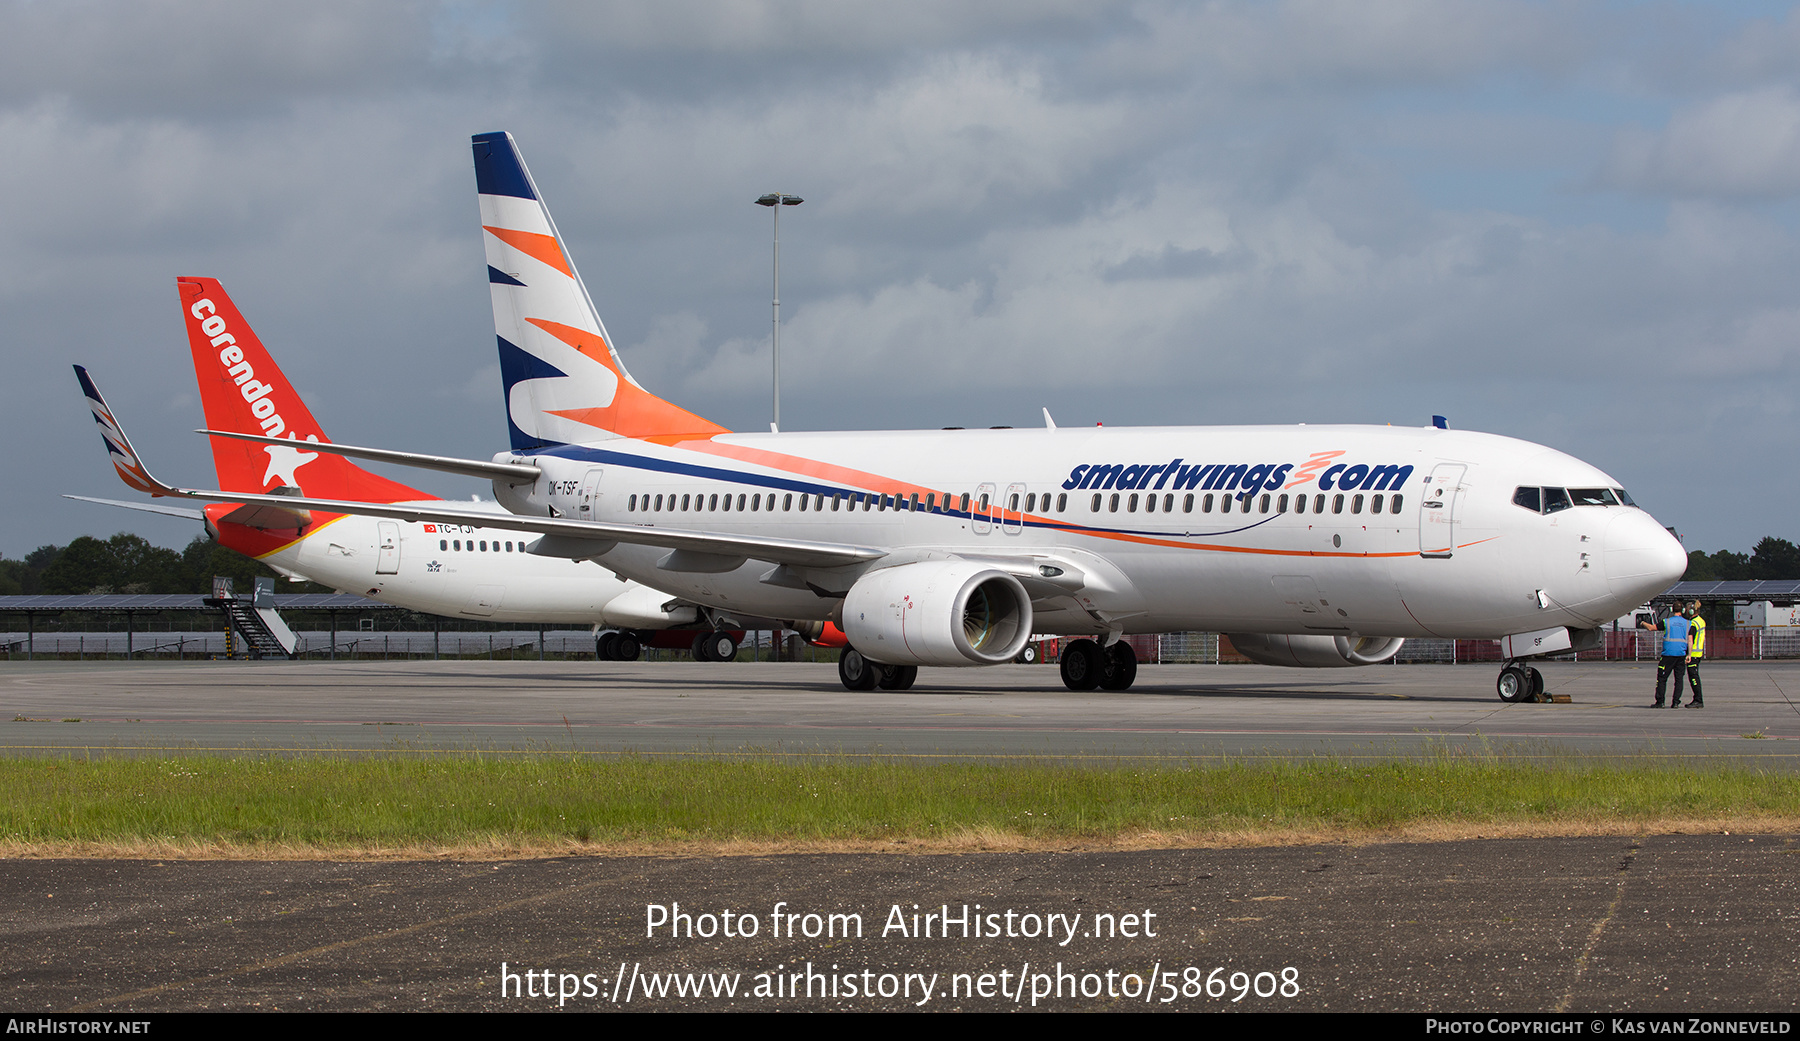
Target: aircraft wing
<point>147,507</point>
<point>515,473</point>
<point>705,551</point>
<point>692,550</point>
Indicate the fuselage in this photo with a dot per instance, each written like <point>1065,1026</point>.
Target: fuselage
<point>1333,530</point>
<point>453,569</point>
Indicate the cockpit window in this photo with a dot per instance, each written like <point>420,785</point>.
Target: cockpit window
<point>1593,497</point>
<point>1555,500</point>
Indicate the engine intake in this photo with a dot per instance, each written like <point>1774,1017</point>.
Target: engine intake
<point>938,612</point>
<point>1315,652</point>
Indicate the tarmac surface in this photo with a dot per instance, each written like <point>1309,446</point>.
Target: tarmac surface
<point>1684,924</point>
<point>1695,923</point>
<point>1174,711</point>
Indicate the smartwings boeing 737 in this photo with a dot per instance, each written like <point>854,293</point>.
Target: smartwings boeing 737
<point>1309,545</point>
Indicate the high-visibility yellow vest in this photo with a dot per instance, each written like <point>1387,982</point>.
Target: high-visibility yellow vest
<point>1697,638</point>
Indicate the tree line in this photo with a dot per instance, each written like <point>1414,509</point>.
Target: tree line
<point>128,563</point>
<point>1772,558</point>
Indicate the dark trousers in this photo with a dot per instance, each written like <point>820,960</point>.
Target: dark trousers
<point>1669,664</point>
<point>1693,678</point>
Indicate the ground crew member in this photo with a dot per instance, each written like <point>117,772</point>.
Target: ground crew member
<point>1675,650</point>
<point>1696,650</point>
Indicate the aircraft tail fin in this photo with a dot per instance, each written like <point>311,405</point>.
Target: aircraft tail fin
<point>564,382</point>
<point>243,390</point>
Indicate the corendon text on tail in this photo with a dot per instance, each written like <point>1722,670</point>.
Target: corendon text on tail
<point>1309,545</point>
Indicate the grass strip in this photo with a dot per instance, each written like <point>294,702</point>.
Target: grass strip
<point>466,803</point>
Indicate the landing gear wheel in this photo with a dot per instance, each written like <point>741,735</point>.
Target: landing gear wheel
<point>899,677</point>
<point>702,647</point>
<point>1118,667</point>
<point>720,647</point>
<point>627,647</point>
<point>857,672</point>
<point>1029,655</point>
<point>1081,665</point>
<point>606,648</point>
<point>1537,684</point>
<point>1514,684</point>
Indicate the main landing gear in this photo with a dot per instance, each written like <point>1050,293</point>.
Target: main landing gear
<point>1086,665</point>
<point>715,646</point>
<point>1519,683</point>
<point>859,673</point>
<point>617,646</point>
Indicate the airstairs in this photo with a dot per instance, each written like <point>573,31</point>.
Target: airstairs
<point>254,618</point>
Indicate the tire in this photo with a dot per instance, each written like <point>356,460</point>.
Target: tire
<point>1118,667</point>
<point>1028,656</point>
<point>721,647</point>
<point>1513,685</point>
<point>1537,684</point>
<point>606,648</point>
<point>627,647</point>
<point>1081,665</point>
<point>899,677</point>
<point>856,672</point>
<point>702,646</point>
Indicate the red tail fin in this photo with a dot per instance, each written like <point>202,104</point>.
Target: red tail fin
<point>242,389</point>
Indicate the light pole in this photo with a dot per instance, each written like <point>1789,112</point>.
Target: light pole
<point>775,201</point>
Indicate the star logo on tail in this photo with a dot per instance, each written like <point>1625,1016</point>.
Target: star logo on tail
<point>283,461</point>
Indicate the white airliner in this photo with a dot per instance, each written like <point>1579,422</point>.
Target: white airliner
<point>452,568</point>
<point>1310,545</point>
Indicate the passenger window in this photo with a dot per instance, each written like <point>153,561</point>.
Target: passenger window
<point>1169,503</point>
<point>1187,505</point>
<point>837,502</point>
<point>1131,506</point>
<point>1206,503</point>
<point>803,502</point>
<point>1246,502</point>
<point>1375,504</point>
<point>1394,507</point>
<point>819,502</point>
<point>1150,504</point>
<point>1530,498</point>
<point>1356,502</point>
<point>1113,506</point>
<point>984,502</point>
<point>1062,501</point>
<point>1096,506</point>
<point>1300,503</point>
<point>1264,506</point>
<point>1337,503</point>
<point>1319,502</point>
<point>931,502</point>
<point>1281,504</point>
<point>1013,502</point>
<point>913,502</point>
<point>1031,503</point>
<point>443,544</point>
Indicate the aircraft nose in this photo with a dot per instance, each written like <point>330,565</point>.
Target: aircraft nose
<point>1642,558</point>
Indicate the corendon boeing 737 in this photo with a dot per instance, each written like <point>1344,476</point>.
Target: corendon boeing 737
<point>447,568</point>
<point>1310,545</point>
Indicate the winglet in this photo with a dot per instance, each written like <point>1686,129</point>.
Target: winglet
<point>125,459</point>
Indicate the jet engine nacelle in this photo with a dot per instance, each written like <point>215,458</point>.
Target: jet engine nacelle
<point>1315,652</point>
<point>938,612</point>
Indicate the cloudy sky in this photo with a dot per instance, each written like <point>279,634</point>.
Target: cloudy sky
<point>1572,223</point>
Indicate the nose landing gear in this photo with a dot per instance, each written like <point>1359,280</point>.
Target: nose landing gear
<point>1519,683</point>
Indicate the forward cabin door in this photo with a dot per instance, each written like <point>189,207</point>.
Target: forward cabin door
<point>1437,514</point>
